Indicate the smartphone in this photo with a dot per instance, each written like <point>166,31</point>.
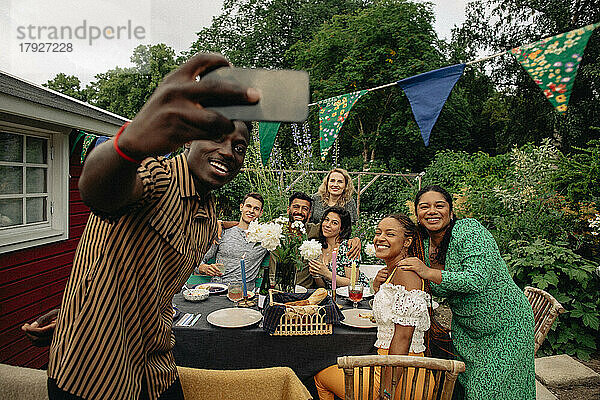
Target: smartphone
<point>284,94</point>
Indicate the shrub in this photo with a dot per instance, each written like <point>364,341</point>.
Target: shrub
<point>571,279</point>
<point>579,177</point>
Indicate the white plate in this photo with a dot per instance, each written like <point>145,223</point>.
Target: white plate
<point>343,291</point>
<point>300,289</point>
<point>234,317</point>
<point>213,287</point>
<point>351,318</point>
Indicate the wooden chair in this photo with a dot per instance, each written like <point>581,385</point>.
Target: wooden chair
<point>545,310</point>
<point>444,373</point>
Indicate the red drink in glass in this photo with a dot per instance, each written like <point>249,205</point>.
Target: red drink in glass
<point>356,294</point>
<point>234,296</point>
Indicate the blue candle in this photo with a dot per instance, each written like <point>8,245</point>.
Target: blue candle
<point>243,265</point>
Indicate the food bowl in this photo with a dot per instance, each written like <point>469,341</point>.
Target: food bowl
<point>196,294</point>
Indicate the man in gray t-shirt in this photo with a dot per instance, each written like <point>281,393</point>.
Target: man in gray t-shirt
<point>233,245</point>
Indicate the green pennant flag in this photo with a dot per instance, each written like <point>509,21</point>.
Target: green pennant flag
<point>553,62</point>
<point>332,114</point>
<point>266,134</point>
<point>87,141</point>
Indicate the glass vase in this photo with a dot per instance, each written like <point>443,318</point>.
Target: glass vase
<point>285,276</point>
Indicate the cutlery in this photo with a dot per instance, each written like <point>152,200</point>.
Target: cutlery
<point>186,317</point>
<point>195,320</point>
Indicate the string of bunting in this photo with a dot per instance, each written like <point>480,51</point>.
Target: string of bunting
<point>551,62</point>
<point>90,139</point>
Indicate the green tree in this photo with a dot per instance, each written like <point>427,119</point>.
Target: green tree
<point>67,84</point>
<point>387,41</point>
<point>257,33</point>
<point>125,90</point>
<point>526,116</point>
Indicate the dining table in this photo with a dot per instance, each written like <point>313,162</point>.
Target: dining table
<point>207,346</point>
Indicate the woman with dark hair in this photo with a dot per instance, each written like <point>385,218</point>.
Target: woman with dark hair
<point>401,308</point>
<point>334,232</point>
<point>492,321</point>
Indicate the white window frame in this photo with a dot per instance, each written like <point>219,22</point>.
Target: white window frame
<point>57,226</point>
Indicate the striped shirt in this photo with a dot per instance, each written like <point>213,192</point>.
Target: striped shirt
<point>114,328</point>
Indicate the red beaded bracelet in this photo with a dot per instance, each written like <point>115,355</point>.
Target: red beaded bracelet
<point>119,151</point>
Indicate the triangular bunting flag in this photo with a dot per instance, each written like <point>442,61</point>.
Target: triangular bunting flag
<point>87,141</point>
<point>332,114</point>
<point>78,135</point>
<point>101,140</point>
<point>267,131</point>
<point>427,94</point>
<point>552,63</point>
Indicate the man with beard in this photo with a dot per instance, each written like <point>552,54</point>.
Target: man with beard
<point>299,209</point>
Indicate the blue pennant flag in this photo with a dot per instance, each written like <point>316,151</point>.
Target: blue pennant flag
<point>101,140</point>
<point>427,94</point>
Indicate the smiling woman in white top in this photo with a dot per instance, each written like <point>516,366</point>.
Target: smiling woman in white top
<point>401,309</point>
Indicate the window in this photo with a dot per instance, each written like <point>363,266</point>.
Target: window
<point>33,187</point>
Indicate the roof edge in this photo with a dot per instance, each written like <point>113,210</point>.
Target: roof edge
<point>69,98</point>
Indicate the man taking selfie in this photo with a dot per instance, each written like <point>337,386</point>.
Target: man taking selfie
<point>152,220</point>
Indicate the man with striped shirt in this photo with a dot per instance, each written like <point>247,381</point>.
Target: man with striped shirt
<point>152,221</point>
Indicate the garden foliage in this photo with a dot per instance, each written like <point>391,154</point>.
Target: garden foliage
<point>541,206</point>
<point>572,280</point>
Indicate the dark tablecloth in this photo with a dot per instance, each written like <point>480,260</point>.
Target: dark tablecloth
<point>210,347</point>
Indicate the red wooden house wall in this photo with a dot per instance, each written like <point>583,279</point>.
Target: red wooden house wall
<point>32,282</point>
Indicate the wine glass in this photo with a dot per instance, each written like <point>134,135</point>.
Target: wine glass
<point>355,293</point>
<point>219,279</point>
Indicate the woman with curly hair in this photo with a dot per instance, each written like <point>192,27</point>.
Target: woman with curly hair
<point>492,321</point>
<point>401,307</point>
<point>335,190</point>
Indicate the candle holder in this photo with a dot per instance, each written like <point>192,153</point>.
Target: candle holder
<point>246,302</point>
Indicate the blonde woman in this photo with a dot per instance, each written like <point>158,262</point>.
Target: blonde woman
<point>335,190</point>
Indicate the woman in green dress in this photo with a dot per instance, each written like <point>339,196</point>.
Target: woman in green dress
<point>492,321</point>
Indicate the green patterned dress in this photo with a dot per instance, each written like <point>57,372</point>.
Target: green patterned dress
<point>492,321</point>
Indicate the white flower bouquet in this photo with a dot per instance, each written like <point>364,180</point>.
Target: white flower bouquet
<point>310,249</point>
<point>287,242</point>
<point>269,234</point>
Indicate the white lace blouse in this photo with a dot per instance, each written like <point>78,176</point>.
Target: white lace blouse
<point>393,304</point>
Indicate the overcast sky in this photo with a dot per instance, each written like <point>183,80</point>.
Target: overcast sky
<point>128,23</point>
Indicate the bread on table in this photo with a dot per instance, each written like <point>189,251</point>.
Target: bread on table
<point>315,298</point>
<point>298,303</point>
